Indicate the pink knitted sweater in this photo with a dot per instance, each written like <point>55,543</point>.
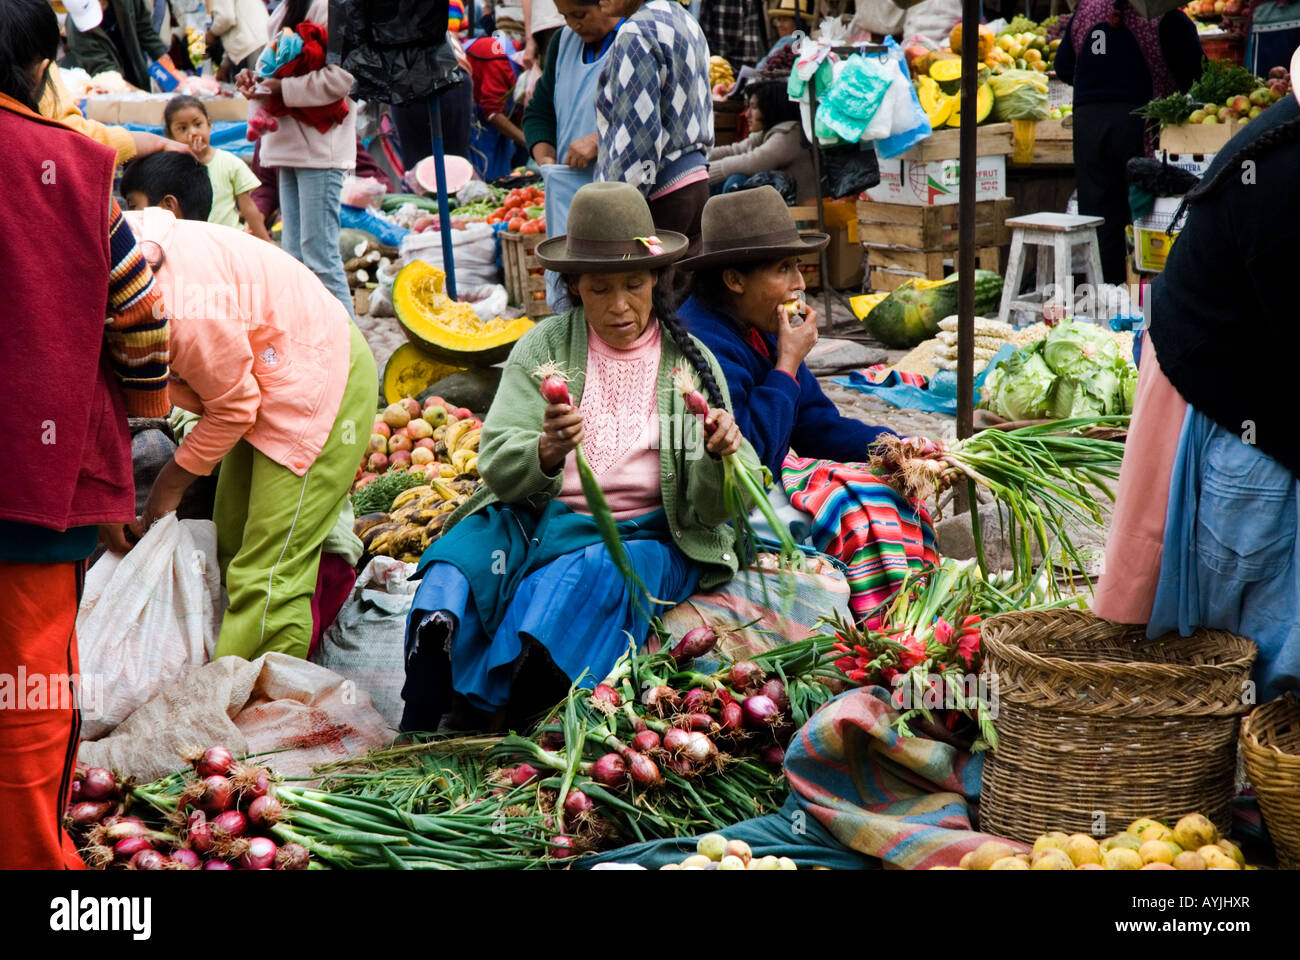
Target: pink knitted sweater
<point>620,419</point>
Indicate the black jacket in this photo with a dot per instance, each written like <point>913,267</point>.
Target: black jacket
<point>396,49</point>
<point>95,51</point>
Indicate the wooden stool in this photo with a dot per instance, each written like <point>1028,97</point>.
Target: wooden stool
<point>1059,233</point>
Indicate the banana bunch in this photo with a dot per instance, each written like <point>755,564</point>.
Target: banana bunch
<point>415,521</point>
<point>197,45</point>
<point>720,72</point>
<point>460,447</point>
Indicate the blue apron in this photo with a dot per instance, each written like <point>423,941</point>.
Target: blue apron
<point>575,117</point>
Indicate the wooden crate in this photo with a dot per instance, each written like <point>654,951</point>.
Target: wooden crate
<point>1202,138</point>
<point>1054,142</point>
<point>525,278</point>
<point>928,229</point>
<point>892,274</point>
<point>726,121</point>
<point>805,218</point>
<point>991,139</point>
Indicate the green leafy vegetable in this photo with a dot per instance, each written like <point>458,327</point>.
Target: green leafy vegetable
<point>1221,80</point>
<point>378,496</point>
<point>1170,111</point>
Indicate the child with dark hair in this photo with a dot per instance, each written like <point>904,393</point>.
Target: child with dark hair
<point>84,344</point>
<point>776,142</point>
<point>185,120</point>
<point>286,387</point>
<point>1204,528</point>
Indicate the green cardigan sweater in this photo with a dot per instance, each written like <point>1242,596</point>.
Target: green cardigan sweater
<point>690,479</point>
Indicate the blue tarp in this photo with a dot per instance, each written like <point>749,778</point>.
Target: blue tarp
<point>939,396</point>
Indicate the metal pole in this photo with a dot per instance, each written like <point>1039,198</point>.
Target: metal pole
<point>966,223</point>
<point>444,209</point>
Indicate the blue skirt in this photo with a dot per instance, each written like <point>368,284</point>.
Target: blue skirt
<point>577,606</point>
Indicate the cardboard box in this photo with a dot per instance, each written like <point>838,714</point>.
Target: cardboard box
<point>991,139</point>
<point>937,182</point>
<point>148,111</point>
<point>1199,137</point>
<point>1151,242</point>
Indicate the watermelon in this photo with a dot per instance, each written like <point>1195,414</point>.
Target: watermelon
<point>912,313</point>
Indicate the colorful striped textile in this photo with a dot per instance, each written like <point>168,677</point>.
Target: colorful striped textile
<point>900,799</point>
<point>879,373</point>
<point>877,533</point>
<point>136,328</point>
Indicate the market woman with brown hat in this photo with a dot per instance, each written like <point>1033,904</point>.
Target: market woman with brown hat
<point>745,307</point>
<point>523,573</point>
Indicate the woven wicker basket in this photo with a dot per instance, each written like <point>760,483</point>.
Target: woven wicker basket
<point>1098,726</point>
<point>1270,741</point>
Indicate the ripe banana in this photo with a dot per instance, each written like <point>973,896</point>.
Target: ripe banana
<point>468,441</point>
<point>447,472</point>
<point>460,458</point>
<point>455,432</point>
<point>471,465</point>
<point>409,494</point>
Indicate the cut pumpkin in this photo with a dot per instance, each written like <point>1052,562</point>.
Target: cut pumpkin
<point>447,329</point>
<point>410,370</point>
<point>946,70</point>
<point>937,105</point>
<point>983,106</point>
<point>986,40</point>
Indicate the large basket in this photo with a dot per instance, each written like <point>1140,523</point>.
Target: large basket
<point>1098,726</point>
<point>1270,741</point>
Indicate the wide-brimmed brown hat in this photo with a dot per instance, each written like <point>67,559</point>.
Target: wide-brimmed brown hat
<point>794,9</point>
<point>750,225</point>
<point>610,230</point>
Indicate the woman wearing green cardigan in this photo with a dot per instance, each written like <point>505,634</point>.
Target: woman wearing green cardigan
<point>522,573</point>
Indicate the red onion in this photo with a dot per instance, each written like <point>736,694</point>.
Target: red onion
<point>522,774</point>
<point>260,854</point>
<point>292,856</point>
<point>555,390</point>
<point>774,689</point>
<point>215,762</point>
<point>606,694</point>
<point>678,766</point>
<point>675,740</point>
<point>773,756</point>
<point>659,697</point>
<point>733,716</point>
<point>98,784</point>
<point>643,769</point>
<point>88,812</point>
<point>760,710</point>
<point>696,701</point>
<point>696,643</point>
<point>129,847</point>
<point>148,860</point>
<point>125,827</point>
<point>232,823</point>
<point>645,740</point>
<point>695,721</point>
<point>696,403</point>
<point>74,793</point>
<point>699,748</point>
<point>188,859</point>
<point>552,739</point>
<point>217,796</point>
<point>639,726</point>
<point>199,831</point>
<point>577,803</point>
<point>265,810</point>
<point>745,673</point>
<point>563,847</point>
<point>216,865</point>
<point>610,770</point>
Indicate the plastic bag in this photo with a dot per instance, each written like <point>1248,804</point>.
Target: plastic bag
<point>489,301</point>
<point>1019,95</point>
<point>911,125</point>
<point>849,170</point>
<point>362,191</point>
<point>783,185</point>
<point>473,251</point>
<point>147,616</point>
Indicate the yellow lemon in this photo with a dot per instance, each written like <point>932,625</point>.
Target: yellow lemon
<point>1082,849</point>
<point>1121,858</point>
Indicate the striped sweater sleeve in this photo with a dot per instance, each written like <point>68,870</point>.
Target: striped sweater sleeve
<point>137,329</point>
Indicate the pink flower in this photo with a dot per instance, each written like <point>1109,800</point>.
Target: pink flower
<point>968,647</point>
<point>888,674</point>
<point>943,631</point>
<point>913,652</point>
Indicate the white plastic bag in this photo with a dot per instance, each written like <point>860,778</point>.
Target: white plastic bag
<point>147,616</point>
<point>489,301</point>
<point>473,250</point>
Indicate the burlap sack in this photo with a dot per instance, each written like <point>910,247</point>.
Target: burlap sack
<point>274,703</point>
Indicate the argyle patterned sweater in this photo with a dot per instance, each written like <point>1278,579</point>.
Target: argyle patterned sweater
<point>654,111</point>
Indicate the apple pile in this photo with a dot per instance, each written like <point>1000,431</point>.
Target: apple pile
<point>1212,9</point>
<point>405,436</point>
<point>1246,107</point>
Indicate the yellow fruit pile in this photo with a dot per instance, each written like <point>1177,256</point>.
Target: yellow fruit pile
<point>713,851</point>
<point>198,47</point>
<point>720,72</point>
<point>1192,844</point>
<point>1024,51</point>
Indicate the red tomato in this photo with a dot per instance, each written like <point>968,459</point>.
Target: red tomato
<point>517,225</point>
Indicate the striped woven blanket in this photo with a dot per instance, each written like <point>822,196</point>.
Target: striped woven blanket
<point>877,533</point>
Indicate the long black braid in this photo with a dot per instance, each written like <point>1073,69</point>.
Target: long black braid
<point>1287,132</point>
<point>666,311</point>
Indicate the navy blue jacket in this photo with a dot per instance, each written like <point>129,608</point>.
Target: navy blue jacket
<point>774,412</point>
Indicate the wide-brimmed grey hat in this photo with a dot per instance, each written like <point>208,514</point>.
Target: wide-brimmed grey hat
<point>610,230</point>
<point>748,226</point>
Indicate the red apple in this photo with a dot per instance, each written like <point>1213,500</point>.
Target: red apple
<point>1277,73</point>
<point>381,427</point>
<point>463,413</point>
<point>366,480</point>
<point>412,407</point>
<point>428,443</point>
<point>396,415</point>
<point>422,455</point>
<point>377,463</point>
<point>421,469</point>
<point>400,459</point>
<point>434,402</point>
<point>1240,103</point>
<point>378,443</point>
<point>399,443</point>
<point>418,429</point>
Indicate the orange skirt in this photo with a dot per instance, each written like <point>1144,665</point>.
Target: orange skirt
<point>39,727</point>
<point>1127,588</point>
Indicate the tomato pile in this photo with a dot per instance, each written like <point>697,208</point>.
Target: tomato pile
<point>522,211</point>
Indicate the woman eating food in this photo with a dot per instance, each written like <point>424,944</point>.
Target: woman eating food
<point>521,596</point>
<point>745,307</point>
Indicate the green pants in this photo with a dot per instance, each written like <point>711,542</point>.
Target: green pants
<point>271,524</point>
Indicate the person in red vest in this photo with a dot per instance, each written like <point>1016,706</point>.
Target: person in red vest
<point>497,139</point>
<point>84,344</point>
